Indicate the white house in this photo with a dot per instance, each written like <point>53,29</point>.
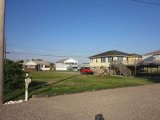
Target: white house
<point>36,65</point>
<point>67,64</point>
<point>152,56</point>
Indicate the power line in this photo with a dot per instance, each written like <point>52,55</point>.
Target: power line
<point>45,49</point>
<point>141,1</point>
<point>44,55</point>
<point>29,47</point>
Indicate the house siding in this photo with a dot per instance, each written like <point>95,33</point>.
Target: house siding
<point>131,60</point>
<point>64,64</point>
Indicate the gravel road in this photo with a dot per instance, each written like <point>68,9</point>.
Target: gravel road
<point>131,103</point>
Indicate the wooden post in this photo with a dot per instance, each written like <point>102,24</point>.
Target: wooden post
<point>135,67</point>
<point>135,70</point>
<point>2,14</point>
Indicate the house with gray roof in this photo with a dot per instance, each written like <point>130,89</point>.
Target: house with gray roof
<point>36,65</point>
<point>114,62</point>
<point>105,58</point>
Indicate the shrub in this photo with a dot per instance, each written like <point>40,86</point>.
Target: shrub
<point>13,75</point>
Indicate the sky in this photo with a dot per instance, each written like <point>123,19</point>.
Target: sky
<point>60,29</point>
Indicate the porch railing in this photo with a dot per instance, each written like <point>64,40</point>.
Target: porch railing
<point>121,67</point>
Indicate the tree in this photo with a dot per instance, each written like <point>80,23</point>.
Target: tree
<point>13,75</point>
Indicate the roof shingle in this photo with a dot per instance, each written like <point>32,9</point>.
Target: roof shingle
<point>113,53</point>
<point>153,53</point>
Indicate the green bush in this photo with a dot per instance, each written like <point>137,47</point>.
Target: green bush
<point>13,76</point>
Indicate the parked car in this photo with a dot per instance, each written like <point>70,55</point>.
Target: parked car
<point>86,71</point>
<point>71,68</point>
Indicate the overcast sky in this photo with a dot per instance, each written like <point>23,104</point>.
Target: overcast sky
<point>80,28</point>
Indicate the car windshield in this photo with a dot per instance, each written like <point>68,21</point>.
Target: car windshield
<point>85,68</point>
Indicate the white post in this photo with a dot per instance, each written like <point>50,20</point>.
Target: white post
<point>27,81</point>
<point>26,92</point>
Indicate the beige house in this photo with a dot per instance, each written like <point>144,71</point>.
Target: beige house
<point>36,65</point>
<point>104,59</point>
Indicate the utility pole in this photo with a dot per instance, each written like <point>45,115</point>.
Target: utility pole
<point>2,16</point>
<point>97,50</point>
<point>4,46</point>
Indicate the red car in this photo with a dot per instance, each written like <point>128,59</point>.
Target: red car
<point>86,71</point>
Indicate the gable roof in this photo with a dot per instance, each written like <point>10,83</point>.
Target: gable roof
<point>134,54</point>
<point>113,53</point>
<point>157,52</point>
<point>71,60</point>
<point>66,60</point>
<point>62,60</point>
<point>36,62</point>
<point>148,59</point>
<point>42,62</point>
<point>30,63</point>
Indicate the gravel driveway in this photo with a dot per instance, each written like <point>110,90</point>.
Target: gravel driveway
<point>132,103</point>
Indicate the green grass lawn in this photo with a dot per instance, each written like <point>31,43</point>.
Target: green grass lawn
<point>53,82</point>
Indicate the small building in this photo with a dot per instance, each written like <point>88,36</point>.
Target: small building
<point>36,65</point>
<point>152,57</point>
<point>67,64</point>
<point>151,62</point>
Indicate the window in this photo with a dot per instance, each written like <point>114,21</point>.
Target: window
<point>96,60</point>
<point>110,59</point>
<point>30,66</point>
<point>46,66</point>
<point>91,60</point>
<point>103,60</point>
<point>75,67</point>
<point>120,58</point>
<point>127,59</point>
<point>101,67</point>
